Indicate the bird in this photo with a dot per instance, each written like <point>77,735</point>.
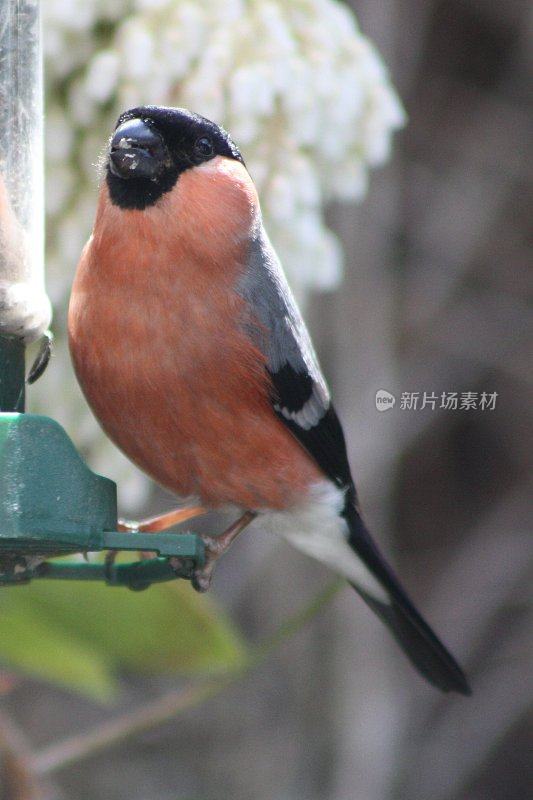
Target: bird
<point>189,347</point>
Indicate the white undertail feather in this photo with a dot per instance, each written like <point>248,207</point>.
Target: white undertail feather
<point>317,528</point>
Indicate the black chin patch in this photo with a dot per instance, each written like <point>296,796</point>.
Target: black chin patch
<point>139,193</point>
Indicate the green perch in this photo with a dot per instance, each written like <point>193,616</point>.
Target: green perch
<point>51,505</point>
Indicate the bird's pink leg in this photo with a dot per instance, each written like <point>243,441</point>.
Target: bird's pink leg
<point>155,524</point>
<point>215,546</point>
<point>162,521</point>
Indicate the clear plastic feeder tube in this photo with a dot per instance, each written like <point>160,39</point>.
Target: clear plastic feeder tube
<point>24,306</point>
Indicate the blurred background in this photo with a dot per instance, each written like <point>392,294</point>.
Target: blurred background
<point>414,278</point>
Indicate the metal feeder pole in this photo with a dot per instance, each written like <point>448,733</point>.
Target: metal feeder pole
<point>24,306</point>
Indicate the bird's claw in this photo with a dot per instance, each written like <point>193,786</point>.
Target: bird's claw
<point>215,546</point>
<point>201,580</point>
<point>43,357</point>
<point>202,576</point>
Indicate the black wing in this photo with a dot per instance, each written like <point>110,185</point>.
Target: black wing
<point>324,440</point>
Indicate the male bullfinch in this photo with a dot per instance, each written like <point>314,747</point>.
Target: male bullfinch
<point>190,349</point>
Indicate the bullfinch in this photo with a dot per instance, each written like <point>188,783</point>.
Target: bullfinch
<point>193,355</point>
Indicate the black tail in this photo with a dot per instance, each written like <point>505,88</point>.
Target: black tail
<point>421,646</point>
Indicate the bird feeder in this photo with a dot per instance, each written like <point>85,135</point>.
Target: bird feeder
<point>51,504</point>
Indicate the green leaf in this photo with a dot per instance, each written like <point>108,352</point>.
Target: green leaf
<point>77,634</point>
<point>33,644</point>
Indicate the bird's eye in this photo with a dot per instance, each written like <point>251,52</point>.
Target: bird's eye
<point>204,147</point>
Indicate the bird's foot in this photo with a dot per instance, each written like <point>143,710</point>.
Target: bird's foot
<point>202,576</point>
<point>216,546</point>
<point>154,525</point>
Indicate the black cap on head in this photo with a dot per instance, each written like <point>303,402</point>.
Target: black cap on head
<point>153,145</point>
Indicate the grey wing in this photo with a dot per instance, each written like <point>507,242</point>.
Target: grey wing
<point>300,396</point>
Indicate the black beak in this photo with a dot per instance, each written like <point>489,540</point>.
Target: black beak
<point>137,151</point>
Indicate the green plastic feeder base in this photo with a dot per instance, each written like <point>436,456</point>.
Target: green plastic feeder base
<point>51,504</point>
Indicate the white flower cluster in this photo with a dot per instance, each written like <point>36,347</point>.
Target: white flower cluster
<point>300,89</point>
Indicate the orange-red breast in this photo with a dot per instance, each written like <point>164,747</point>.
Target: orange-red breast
<point>192,353</point>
